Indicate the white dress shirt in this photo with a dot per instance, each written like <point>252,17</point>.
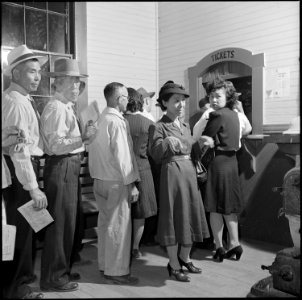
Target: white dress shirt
<point>18,111</point>
<point>60,128</point>
<point>111,155</point>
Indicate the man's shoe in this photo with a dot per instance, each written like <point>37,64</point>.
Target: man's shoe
<point>136,253</point>
<point>33,295</point>
<point>74,276</point>
<point>121,280</point>
<point>30,279</point>
<point>67,287</point>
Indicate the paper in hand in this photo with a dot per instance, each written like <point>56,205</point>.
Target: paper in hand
<point>91,112</point>
<point>37,219</point>
<point>8,241</point>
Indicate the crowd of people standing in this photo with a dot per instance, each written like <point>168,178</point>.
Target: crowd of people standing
<point>128,151</point>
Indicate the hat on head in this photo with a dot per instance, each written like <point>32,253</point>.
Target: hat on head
<point>144,93</point>
<point>19,55</point>
<point>65,67</point>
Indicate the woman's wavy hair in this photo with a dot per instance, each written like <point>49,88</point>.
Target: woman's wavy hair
<point>136,101</point>
<point>216,83</point>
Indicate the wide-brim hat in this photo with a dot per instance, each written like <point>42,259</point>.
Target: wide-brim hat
<point>65,67</point>
<point>81,88</point>
<point>19,55</point>
<point>144,93</point>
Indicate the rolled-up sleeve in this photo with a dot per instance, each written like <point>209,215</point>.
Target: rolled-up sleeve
<point>16,115</point>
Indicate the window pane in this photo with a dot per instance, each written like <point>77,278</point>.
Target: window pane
<point>12,26</point>
<point>36,36</point>
<point>57,33</point>
<point>59,7</point>
<point>44,85</point>
<point>41,5</point>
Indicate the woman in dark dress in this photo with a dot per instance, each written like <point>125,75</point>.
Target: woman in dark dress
<point>223,192</point>
<point>181,218</point>
<point>146,205</point>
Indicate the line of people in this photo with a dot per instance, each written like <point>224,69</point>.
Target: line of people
<point>126,149</point>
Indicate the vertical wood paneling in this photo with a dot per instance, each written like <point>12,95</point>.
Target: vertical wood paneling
<point>188,31</point>
<point>121,46</point>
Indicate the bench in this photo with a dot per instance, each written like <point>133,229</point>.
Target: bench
<point>90,209</point>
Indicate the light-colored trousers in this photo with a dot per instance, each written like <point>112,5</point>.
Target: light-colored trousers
<point>114,227</point>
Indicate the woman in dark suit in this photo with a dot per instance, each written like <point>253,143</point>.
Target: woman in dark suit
<point>223,197</point>
<point>181,219</point>
<point>146,206</point>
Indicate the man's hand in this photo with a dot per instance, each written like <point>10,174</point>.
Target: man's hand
<point>238,106</point>
<point>89,132</point>
<point>133,193</point>
<point>40,200</point>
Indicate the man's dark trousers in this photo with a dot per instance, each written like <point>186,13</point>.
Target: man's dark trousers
<point>61,175</point>
<point>17,272</point>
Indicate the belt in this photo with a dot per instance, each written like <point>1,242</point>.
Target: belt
<point>177,157</point>
<point>222,152</point>
<point>32,157</point>
<point>79,154</point>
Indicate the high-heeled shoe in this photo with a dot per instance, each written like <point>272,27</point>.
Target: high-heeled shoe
<point>178,274</point>
<point>220,254</point>
<point>237,251</point>
<point>189,266</point>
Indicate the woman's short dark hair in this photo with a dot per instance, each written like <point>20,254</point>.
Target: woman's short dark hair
<point>136,101</point>
<point>217,83</point>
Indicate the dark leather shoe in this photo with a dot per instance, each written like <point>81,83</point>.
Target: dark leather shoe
<point>30,279</point>
<point>136,253</point>
<point>74,276</point>
<point>189,265</point>
<point>121,280</point>
<point>34,295</point>
<point>67,287</point>
<point>178,274</point>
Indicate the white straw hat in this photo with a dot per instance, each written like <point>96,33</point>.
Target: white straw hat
<point>19,55</point>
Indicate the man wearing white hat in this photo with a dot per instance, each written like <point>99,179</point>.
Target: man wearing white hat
<point>64,150</point>
<point>18,110</point>
<point>147,103</point>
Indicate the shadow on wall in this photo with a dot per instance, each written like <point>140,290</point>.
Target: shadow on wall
<point>260,220</point>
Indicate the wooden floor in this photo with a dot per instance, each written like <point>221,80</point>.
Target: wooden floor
<point>227,279</point>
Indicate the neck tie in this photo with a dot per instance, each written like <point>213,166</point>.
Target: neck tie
<point>77,118</point>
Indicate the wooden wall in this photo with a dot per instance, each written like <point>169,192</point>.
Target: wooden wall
<point>188,31</point>
<point>121,46</point>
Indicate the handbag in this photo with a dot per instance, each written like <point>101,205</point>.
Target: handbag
<point>201,172</point>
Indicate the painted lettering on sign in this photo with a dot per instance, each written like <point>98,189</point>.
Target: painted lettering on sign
<point>223,55</point>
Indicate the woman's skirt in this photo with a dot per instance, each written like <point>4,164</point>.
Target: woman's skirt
<point>146,205</point>
<point>181,212</point>
<point>223,190</point>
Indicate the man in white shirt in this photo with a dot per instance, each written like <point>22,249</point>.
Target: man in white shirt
<point>24,68</point>
<point>147,103</point>
<point>64,149</point>
<point>113,167</point>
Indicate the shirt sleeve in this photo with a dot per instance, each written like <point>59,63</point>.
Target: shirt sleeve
<point>54,125</point>
<point>157,148</point>
<point>23,168</point>
<point>121,149</point>
<point>245,124</point>
<point>16,115</point>
<point>200,126</point>
<point>213,125</point>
